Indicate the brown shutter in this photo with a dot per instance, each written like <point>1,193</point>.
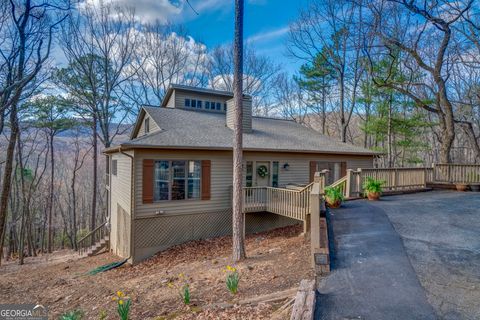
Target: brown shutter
<point>147,181</point>
<point>313,169</point>
<point>343,169</point>
<point>206,173</point>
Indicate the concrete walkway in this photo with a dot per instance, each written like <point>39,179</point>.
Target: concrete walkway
<point>372,277</point>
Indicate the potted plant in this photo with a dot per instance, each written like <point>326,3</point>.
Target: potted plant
<point>372,188</point>
<point>333,197</point>
<point>461,186</point>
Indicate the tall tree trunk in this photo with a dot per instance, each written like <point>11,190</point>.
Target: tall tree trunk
<point>238,215</point>
<point>7,177</point>
<point>74,208</point>
<point>50,200</point>
<point>21,245</point>
<point>343,125</point>
<point>95,165</point>
<point>389,132</point>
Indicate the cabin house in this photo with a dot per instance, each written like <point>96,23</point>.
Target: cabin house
<point>171,181</point>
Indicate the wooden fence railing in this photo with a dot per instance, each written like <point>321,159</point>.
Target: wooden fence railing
<point>407,179</point>
<point>456,173</point>
<point>287,202</point>
<point>92,237</point>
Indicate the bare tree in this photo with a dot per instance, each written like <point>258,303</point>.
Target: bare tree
<point>258,75</point>
<point>166,55</point>
<point>27,37</point>
<point>424,35</point>
<point>332,30</point>
<point>99,43</point>
<point>238,215</point>
<point>289,101</point>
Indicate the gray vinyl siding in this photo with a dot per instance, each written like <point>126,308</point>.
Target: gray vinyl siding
<point>221,176</point>
<point>247,114</point>
<point>159,225</point>
<point>120,196</point>
<point>153,126</point>
<point>179,97</point>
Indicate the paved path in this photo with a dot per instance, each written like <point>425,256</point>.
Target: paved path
<point>441,234</point>
<point>372,276</point>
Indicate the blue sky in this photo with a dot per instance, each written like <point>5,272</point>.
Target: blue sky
<point>266,22</point>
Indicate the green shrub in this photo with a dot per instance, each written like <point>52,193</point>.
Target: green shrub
<point>334,194</point>
<point>233,278</point>
<point>72,315</point>
<point>185,294</point>
<point>373,186</point>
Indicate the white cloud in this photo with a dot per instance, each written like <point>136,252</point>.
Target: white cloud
<point>146,10</point>
<point>164,11</point>
<point>268,35</point>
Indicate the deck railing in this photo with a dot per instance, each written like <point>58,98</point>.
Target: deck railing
<point>396,179</point>
<point>295,202</point>
<point>456,173</point>
<point>287,202</point>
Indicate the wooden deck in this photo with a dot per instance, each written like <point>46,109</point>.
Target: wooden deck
<point>290,202</point>
<point>294,201</point>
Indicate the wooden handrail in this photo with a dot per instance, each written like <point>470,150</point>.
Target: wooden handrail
<point>92,237</point>
<point>93,231</point>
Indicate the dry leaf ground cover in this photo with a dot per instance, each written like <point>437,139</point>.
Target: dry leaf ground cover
<point>277,261</point>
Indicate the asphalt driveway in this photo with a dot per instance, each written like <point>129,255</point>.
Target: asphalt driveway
<point>411,256</point>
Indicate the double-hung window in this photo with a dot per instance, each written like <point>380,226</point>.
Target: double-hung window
<point>177,179</point>
<point>162,180</point>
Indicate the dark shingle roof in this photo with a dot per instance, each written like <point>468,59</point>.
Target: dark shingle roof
<point>188,129</point>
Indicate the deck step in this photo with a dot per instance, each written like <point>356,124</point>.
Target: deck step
<point>97,247</point>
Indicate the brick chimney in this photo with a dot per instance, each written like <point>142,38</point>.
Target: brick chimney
<point>247,113</point>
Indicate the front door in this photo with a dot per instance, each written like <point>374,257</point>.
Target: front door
<point>262,171</point>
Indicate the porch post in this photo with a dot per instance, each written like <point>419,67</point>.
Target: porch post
<point>348,186</point>
<point>319,233</point>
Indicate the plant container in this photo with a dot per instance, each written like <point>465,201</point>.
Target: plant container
<point>373,196</point>
<point>333,204</point>
<point>461,186</point>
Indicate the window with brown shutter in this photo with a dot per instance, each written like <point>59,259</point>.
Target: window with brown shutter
<point>147,177</point>
<point>206,174</point>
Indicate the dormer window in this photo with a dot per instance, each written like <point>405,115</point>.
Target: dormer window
<point>187,102</point>
<point>147,125</point>
<point>199,104</point>
<point>219,106</point>
<point>207,105</point>
<point>194,103</point>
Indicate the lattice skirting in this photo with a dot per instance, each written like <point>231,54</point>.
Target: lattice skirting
<point>154,234</point>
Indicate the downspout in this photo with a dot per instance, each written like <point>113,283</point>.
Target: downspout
<point>132,205</point>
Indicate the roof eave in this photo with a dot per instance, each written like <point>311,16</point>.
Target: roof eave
<point>127,146</point>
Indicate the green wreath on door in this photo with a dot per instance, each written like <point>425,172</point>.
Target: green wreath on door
<point>262,171</point>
